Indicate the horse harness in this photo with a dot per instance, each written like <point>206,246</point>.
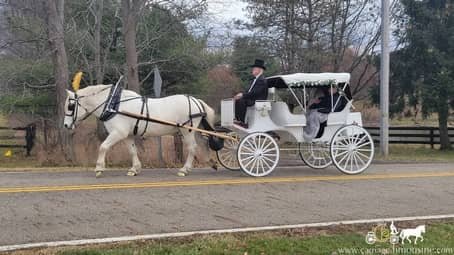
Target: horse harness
<point>112,104</point>
<point>111,108</point>
<point>147,119</point>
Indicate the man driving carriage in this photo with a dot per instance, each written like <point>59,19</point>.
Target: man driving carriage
<point>258,90</point>
<point>319,110</point>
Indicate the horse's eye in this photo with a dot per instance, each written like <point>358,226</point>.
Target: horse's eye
<point>71,107</point>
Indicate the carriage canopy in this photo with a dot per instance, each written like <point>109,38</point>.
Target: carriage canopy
<point>307,79</point>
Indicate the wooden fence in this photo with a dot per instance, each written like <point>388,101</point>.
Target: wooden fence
<point>25,138</point>
<point>411,135</point>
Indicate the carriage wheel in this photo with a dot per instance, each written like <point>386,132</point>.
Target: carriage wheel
<point>258,154</point>
<point>315,155</point>
<point>227,155</point>
<point>352,149</point>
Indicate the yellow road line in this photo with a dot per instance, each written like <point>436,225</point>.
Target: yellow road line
<point>235,181</point>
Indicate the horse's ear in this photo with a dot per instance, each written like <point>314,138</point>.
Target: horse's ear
<point>69,92</point>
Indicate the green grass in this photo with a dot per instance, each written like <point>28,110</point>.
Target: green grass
<point>418,153</point>
<point>438,235</point>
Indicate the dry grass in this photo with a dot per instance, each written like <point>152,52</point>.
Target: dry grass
<point>86,145</point>
<point>371,117</point>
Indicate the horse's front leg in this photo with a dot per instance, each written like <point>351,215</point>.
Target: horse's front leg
<point>136,165</point>
<point>191,145</point>
<point>113,138</point>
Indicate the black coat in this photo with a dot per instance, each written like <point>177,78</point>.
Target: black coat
<point>324,105</point>
<point>258,92</point>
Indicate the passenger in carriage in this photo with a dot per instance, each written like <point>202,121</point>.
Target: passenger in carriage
<point>319,110</point>
<point>258,90</point>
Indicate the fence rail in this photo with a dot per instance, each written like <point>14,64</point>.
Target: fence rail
<point>13,140</point>
<point>411,135</point>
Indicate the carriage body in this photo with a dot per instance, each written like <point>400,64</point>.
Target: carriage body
<point>272,118</point>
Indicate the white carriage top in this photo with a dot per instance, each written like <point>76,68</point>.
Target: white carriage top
<point>307,79</point>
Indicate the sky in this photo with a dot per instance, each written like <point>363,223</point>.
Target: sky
<point>221,15</point>
<point>227,10</point>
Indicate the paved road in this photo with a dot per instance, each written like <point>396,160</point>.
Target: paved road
<point>50,206</point>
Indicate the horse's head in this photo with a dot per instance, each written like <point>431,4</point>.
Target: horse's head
<point>73,110</point>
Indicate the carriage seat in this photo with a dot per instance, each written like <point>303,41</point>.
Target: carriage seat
<point>281,115</point>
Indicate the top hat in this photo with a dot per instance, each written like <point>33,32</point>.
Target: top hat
<point>259,63</point>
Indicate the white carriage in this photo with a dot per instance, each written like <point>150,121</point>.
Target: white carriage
<point>341,140</point>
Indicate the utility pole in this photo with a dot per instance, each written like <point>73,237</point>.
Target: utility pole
<point>384,79</point>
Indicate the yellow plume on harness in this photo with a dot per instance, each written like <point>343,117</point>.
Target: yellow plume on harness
<point>76,81</point>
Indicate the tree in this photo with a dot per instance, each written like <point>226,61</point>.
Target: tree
<point>56,36</point>
<point>245,50</point>
<point>423,71</point>
<point>320,35</point>
<point>130,13</point>
<point>166,42</point>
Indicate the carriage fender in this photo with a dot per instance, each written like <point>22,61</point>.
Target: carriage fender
<point>354,118</point>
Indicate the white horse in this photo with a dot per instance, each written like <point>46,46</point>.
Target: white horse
<point>91,100</point>
<point>416,232</point>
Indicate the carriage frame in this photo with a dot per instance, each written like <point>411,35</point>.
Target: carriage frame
<point>341,141</point>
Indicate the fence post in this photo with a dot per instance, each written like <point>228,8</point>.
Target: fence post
<point>431,137</point>
<point>30,133</point>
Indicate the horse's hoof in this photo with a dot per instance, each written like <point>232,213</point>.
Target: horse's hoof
<point>130,173</point>
<point>181,174</point>
<point>98,174</point>
<point>215,167</point>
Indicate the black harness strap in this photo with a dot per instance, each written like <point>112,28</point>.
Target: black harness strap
<point>136,127</point>
<point>145,100</point>
<point>190,110</point>
<point>201,112</point>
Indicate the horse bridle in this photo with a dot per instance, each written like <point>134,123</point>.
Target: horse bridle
<point>73,107</point>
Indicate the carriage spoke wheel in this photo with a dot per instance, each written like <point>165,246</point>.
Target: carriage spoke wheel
<point>227,155</point>
<point>352,149</point>
<point>258,154</point>
<point>315,155</point>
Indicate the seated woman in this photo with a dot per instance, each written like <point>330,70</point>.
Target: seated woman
<point>319,110</point>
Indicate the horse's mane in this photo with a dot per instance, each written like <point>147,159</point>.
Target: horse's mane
<point>92,89</point>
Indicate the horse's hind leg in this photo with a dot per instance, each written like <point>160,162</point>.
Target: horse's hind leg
<point>113,138</point>
<point>191,145</point>
<point>136,165</point>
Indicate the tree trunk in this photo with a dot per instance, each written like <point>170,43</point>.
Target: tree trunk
<point>55,33</point>
<point>443,113</point>
<point>98,24</point>
<point>130,13</point>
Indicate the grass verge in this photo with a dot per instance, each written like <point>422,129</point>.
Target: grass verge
<point>415,153</point>
<point>332,240</point>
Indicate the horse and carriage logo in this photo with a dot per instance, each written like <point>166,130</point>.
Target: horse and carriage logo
<point>381,233</point>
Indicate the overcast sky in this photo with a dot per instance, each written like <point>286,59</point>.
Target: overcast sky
<point>227,10</point>
<point>220,18</point>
